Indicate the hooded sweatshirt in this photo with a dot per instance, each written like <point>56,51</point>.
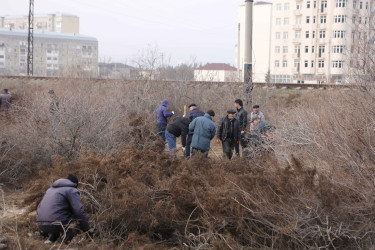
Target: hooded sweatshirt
<point>162,113</point>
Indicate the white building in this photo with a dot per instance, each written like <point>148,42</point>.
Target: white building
<point>312,41</point>
<point>261,40</point>
<point>216,72</point>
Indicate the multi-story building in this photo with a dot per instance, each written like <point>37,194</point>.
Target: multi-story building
<point>58,22</point>
<point>312,41</point>
<point>55,54</point>
<point>261,40</point>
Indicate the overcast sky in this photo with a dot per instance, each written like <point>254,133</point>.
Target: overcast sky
<point>204,29</point>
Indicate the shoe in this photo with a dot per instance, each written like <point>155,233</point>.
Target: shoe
<point>48,242</point>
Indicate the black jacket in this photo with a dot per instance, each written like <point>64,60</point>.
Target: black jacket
<point>224,129</point>
<point>241,115</point>
<point>180,127</point>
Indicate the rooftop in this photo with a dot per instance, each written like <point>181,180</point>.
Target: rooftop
<point>47,34</point>
<point>217,66</point>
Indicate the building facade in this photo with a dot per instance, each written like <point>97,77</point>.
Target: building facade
<point>312,41</point>
<point>216,72</point>
<point>55,54</point>
<point>58,22</point>
<point>262,18</point>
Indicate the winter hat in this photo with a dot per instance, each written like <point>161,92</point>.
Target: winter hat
<point>256,106</point>
<point>231,111</point>
<point>211,112</point>
<point>73,178</point>
<point>255,117</point>
<point>192,105</point>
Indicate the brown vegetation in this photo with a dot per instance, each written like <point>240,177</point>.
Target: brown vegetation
<point>314,191</point>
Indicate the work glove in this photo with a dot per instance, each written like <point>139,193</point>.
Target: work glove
<point>183,149</point>
<point>218,141</point>
<point>172,112</point>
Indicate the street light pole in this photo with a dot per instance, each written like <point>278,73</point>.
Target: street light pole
<point>248,58</point>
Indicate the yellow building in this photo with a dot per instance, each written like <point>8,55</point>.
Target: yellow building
<point>58,22</point>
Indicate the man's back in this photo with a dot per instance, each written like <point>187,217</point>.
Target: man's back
<point>204,131</point>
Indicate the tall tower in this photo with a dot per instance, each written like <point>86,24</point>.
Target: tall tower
<point>30,40</point>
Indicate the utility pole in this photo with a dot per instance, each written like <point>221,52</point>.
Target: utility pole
<point>30,40</point>
<point>248,59</point>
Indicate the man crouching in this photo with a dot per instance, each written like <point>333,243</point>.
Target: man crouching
<point>60,209</point>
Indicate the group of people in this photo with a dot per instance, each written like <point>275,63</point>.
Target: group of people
<point>197,129</point>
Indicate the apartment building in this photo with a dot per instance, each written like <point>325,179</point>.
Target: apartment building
<point>312,41</point>
<point>55,54</point>
<point>261,40</point>
<point>57,22</point>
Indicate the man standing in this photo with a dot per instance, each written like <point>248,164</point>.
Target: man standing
<point>60,209</point>
<point>179,127</point>
<point>204,130</point>
<point>256,112</point>
<point>162,115</point>
<point>241,116</point>
<point>194,113</point>
<point>229,133</point>
<point>5,101</point>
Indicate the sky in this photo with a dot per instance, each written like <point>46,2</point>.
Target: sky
<point>203,30</point>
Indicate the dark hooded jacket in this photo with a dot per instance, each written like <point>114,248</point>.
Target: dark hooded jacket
<point>229,129</point>
<point>61,203</point>
<point>179,127</point>
<point>162,113</point>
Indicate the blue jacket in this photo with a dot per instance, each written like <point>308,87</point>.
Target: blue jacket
<point>61,203</point>
<point>162,113</point>
<point>204,130</point>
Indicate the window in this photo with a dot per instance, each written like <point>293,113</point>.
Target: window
<point>338,64</point>
<point>278,35</point>
<point>366,5</point>
<point>299,6</point>
<point>298,20</point>
<point>340,19</point>
<point>285,35</point>
<point>286,21</point>
<point>307,34</point>
<point>278,21</point>
<point>313,34</point>
<point>360,5</point>
<point>339,34</point>
<point>338,49</point>
<point>308,4</point>
<point>323,19</point>
<point>323,6</point>
<point>312,49</point>
<point>297,50</point>
<point>298,35</point>
<point>277,49</point>
<point>278,6</point>
<point>353,19</point>
<point>360,20</point>
<point>365,20</point>
<point>306,49</point>
<point>320,64</point>
<point>312,64</point>
<point>286,6</point>
<point>277,64</point>
<point>314,4</point>
<point>321,50</point>
<point>307,19</point>
<point>285,64</point>
<point>296,64</point>
<point>354,4</point>
<point>306,64</point>
<point>322,34</point>
<point>341,3</point>
<point>285,49</point>
<point>314,19</point>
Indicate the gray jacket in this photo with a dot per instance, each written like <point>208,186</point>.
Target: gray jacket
<point>5,101</point>
<point>204,130</point>
<point>61,203</point>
